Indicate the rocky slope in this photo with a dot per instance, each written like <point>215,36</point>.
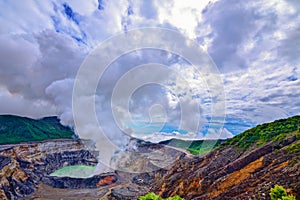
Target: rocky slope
<point>244,167</point>
<point>231,173</point>
<point>240,169</point>
<point>226,173</point>
<point>25,169</point>
<point>24,166</point>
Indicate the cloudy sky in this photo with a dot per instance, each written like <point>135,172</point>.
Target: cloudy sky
<point>254,44</point>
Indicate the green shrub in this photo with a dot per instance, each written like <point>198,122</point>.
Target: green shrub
<point>279,137</point>
<point>293,148</point>
<point>288,198</point>
<point>153,196</point>
<point>175,198</point>
<point>150,196</point>
<point>279,193</point>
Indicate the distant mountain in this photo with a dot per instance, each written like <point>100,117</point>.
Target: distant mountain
<point>16,129</point>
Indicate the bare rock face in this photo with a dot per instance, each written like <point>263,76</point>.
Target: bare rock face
<point>77,183</point>
<point>145,157</point>
<point>24,166</point>
<point>139,166</point>
<point>231,173</point>
<point>25,169</point>
<point>225,173</point>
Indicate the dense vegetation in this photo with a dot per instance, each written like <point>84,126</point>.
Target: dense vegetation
<point>15,129</point>
<point>153,196</point>
<point>293,148</point>
<point>279,193</point>
<point>196,147</point>
<point>261,134</point>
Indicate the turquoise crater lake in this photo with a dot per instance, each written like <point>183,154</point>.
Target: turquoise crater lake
<point>76,171</point>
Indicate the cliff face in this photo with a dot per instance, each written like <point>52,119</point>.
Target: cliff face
<point>24,166</point>
<point>232,173</point>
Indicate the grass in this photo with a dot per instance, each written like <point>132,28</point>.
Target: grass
<point>15,129</point>
<point>197,147</point>
<point>202,147</point>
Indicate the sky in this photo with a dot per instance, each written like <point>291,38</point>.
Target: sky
<point>255,46</point>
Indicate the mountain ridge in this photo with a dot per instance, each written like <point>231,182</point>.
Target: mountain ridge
<point>16,129</point>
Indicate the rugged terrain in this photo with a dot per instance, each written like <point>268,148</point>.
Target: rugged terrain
<point>25,169</point>
<point>244,167</point>
<point>232,173</point>
<point>24,166</point>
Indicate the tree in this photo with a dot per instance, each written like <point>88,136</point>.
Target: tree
<point>279,193</point>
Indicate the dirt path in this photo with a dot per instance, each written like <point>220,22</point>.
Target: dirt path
<point>188,154</point>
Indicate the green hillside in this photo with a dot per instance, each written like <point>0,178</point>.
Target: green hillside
<point>15,129</point>
<point>261,134</point>
<point>196,147</point>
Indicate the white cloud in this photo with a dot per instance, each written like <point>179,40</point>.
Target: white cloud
<point>221,134</point>
<point>163,136</point>
<point>15,104</point>
<point>255,45</point>
<point>24,16</point>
